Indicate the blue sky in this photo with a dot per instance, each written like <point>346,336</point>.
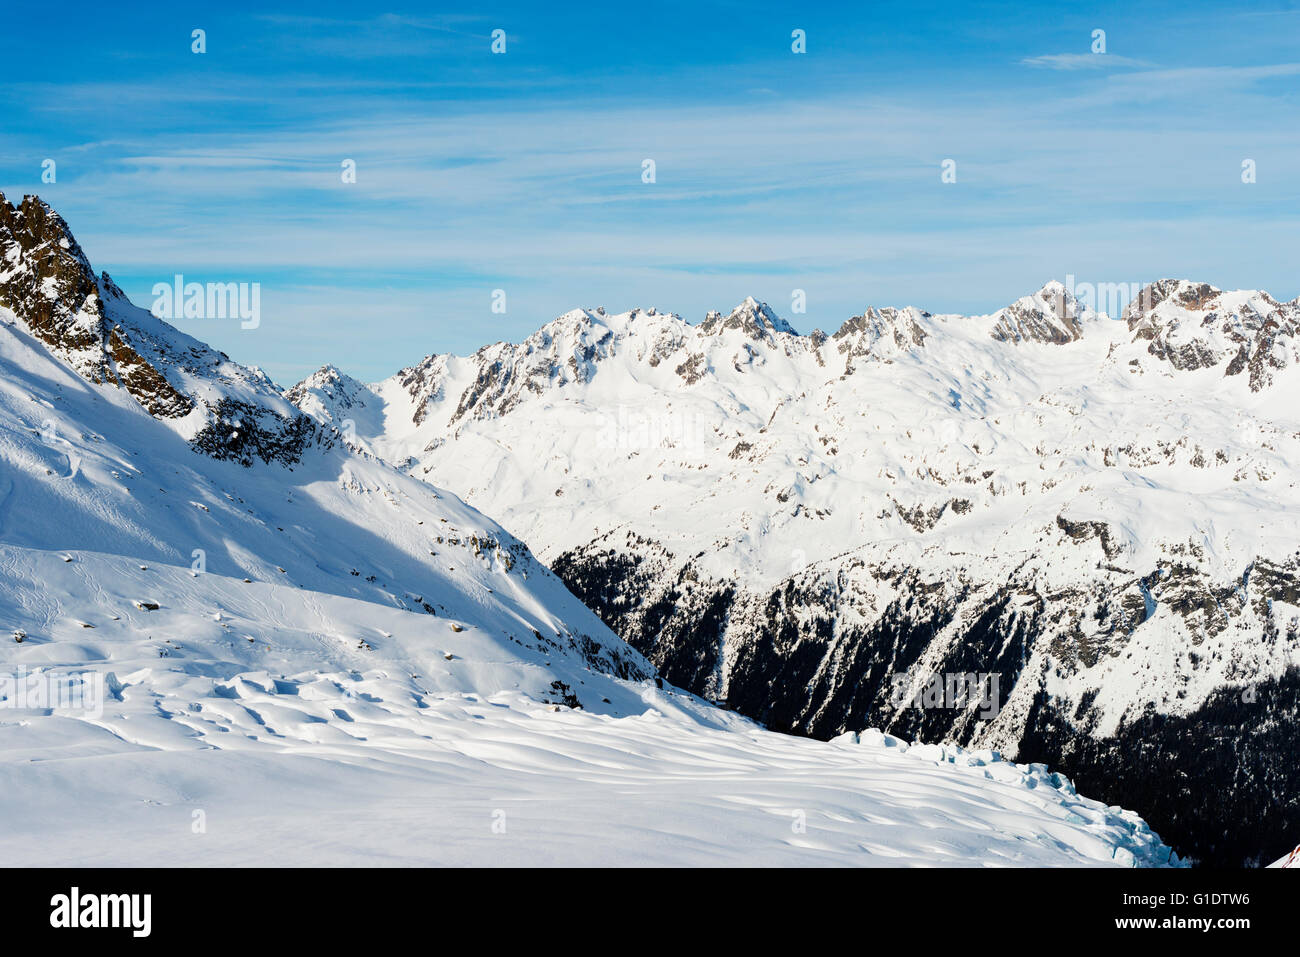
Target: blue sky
<point>775,171</point>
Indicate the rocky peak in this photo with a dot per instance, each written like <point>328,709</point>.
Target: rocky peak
<point>47,283</point>
<point>1050,315</point>
<point>1193,325</point>
<point>1183,293</point>
<point>880,334</point>
<point>336,388</point>
<point>41,233</point>
<point>564,350</point>
<point>110,290</point>
<point>756,318</point>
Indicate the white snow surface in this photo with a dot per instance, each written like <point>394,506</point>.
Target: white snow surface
<point>263,704</point>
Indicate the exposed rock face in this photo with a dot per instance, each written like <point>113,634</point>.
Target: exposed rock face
<point>556,355</point>
<point>49,287</point>
<point>46,281</point>
<point>1050,315</point>
<point>246,431</point>
<point>1223,777</point>
<point>756,319</point>
<point>879,334</point>
<point>833,650</point>
<point>1196,326</point>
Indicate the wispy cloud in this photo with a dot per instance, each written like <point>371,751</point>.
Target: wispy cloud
<point>1082,61</point>
<point>773,170</point>
<point>384,35</point>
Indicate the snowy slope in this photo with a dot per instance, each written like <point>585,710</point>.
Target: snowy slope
<point>1101,512</point>
<point>1290,860</point>
<point>315,658</point>
<point>340,524</point>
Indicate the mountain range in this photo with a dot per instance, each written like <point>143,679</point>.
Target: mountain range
<point>737,559</point>
<point>1097,515</point>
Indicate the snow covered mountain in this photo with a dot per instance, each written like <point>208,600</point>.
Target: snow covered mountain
<point>220,407</point>
<point>230,637</point>
<point>1098,517</point>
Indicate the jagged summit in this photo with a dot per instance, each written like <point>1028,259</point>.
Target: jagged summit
<point>756,318</point>
<point>47,282</point>
<point>572,346</point>
<point>1195,326</point>
<point>585,346</point>
<point>49,291</point>
<point>1185,293</point>
<point>331,383</point>
<point>1052,314</point>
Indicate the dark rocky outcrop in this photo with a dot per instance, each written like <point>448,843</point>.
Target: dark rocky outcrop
<point>1220,784</point>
